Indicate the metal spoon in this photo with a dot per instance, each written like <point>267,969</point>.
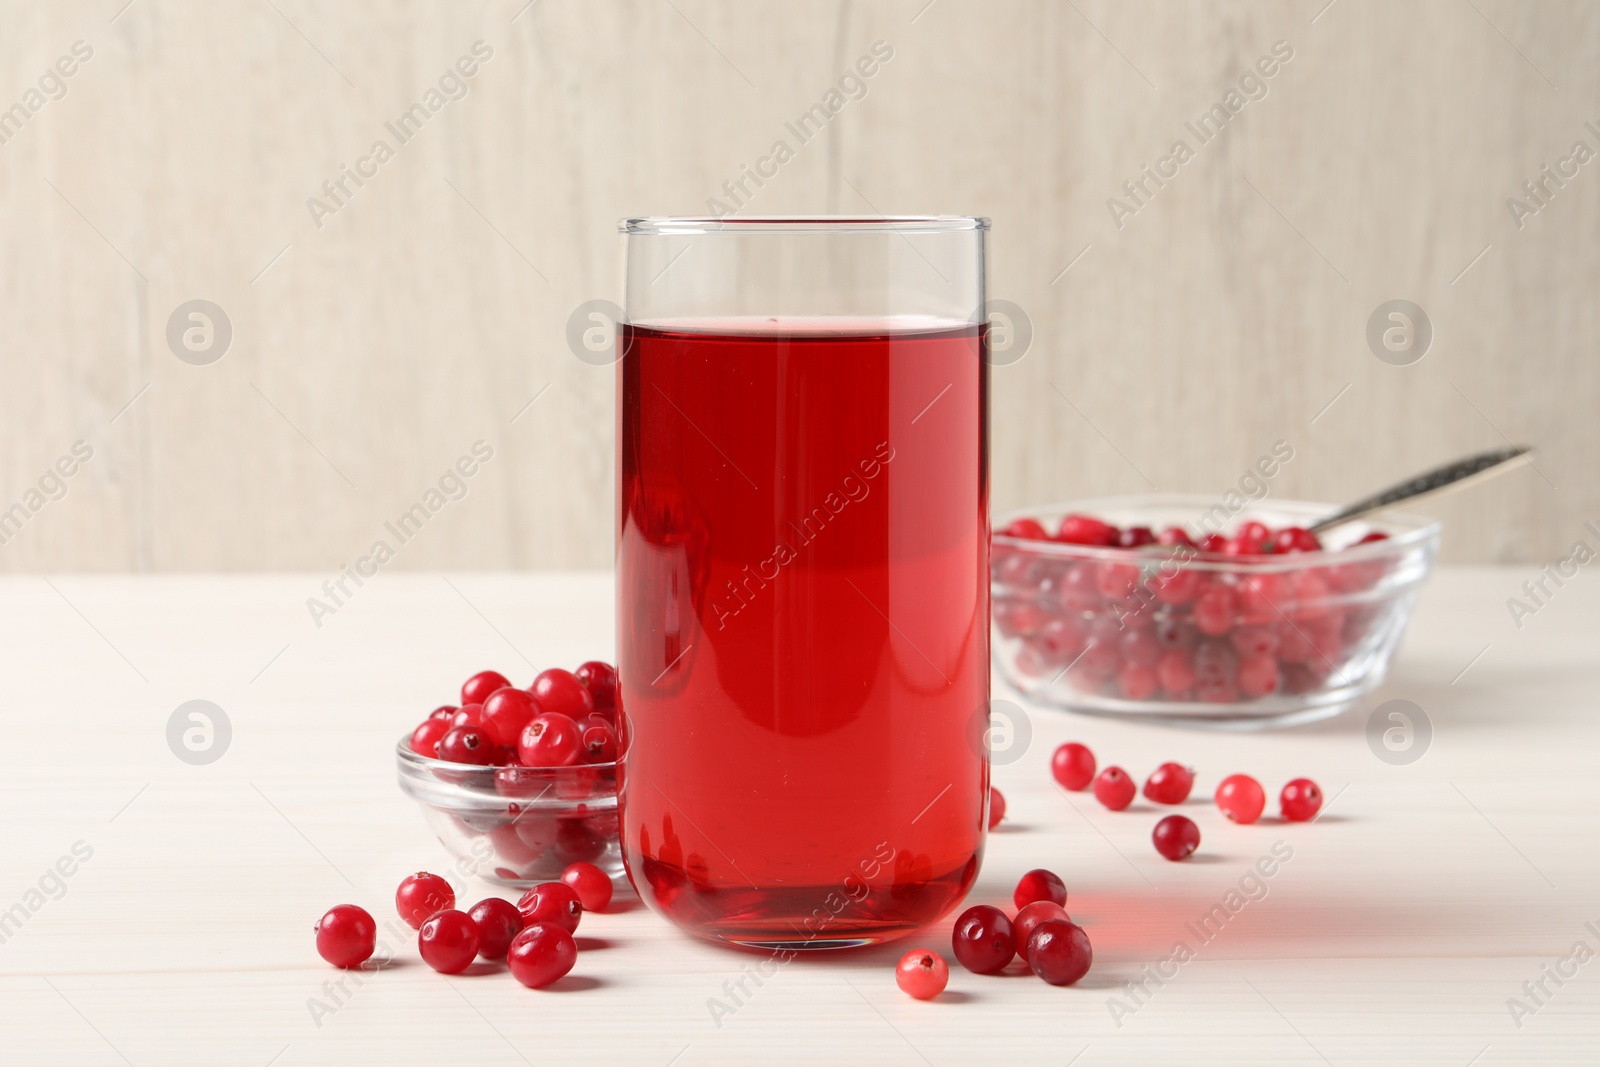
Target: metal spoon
<point>1454,475</point>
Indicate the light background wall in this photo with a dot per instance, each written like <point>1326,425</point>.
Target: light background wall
<point>371,351</point>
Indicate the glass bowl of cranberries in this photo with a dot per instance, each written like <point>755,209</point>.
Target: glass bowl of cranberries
<point>520,783</point>
<point>1176,608</point>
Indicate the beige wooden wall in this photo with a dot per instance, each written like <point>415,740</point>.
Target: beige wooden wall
<point>371,351</point>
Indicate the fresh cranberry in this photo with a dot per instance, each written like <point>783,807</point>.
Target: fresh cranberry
<point>444,712</point>
<point>448,941</point>
<point>1215,661</point>
<point>1213,611</point>
<point>599,744</point>
<point>1308,592</point>
<point>1028,920</point>
<point>997,807</point>
<point>1216,691</point>
<point>1135,536</point>
<point>600,679</point>
<point>561,693</point>
<point>592,885</point>
<point>983,940</point>
<point>1139,647</point>
<point>1241,798</point>
<point>498,921</point>
<point>1175,671</point>
<point>922,974</point>
<point>1060,640</point>
<point>1295,539</point>
<point>1177,584</point>
<point>1086,530</point>
<point>1039,884</point>
<point>346,936</point>
<point>1176,837</point>
<point>1252,531</point>
<point>422,894</point>
<point>476,690</point>
<point>1137,681</point>
<point>1300,800</point>
<point>1169,783</point>
<point>1059,952</point>
<point>1258,676</point>
<point>503,756</point>
<point>468,715</point>
<point>1079,588</point>
<point>1025,529</point>
<point>1174,536</point>
<point>1114,788</point>
<point>1212,544</point>
<point>551,902</point>
<point>1242,547</point>
<point>550,740</point>
<point>506,712</point>
<point>1117,580</point>
<point>1260,598</point>
<point>1073,766</point>
<point>425,738</point>
<point>540,954</point>
<point>1018,617</point>
<point>466,744</point>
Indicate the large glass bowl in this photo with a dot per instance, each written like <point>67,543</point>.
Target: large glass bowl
<point>1068,618</point>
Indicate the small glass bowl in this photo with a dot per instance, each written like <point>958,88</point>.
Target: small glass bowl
<point>1067,618</point>
<point>517,826</point>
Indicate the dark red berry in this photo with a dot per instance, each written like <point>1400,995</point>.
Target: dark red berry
<point>983,941</point>
<point>1295,539</point>
<point>600,679</point>
<point>346,936</point>
<point>540,954</point>
<point>1176,837</point>
<point>592,885</point>
<point>506,712</point>
<point>1025,529</point>
<point>550,740</point>
<point>551,902</point>
<point>1169,783</point>
<point>1174,536</point>
<point>922,974</point>
<point>1086,530</point>
<point>466,744</point>
<point>1059,952</point>
<point>1073,766</point>
<point>498,922</point>
<point>1114,788</point>
<point>425,738</point>
<point>1135,536</point>
<point>476,690</point>
<point>997,807</point>
<point>1373,536</point>
<point>1213,544</point>
<point>559,692</point>
<point>1213,611</point>
<point>1252,532</point>
<point>1039,884</point>
<point>443,712</point>
<point>422,894</point>
<point>1241,798</point>
<point>468,715</point>
<point>1300,800</point>
<point>448,941</point>
<point>599,744</point>
<point>1029,918</point>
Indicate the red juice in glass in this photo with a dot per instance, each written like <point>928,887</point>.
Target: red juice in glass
<point>803,623</point>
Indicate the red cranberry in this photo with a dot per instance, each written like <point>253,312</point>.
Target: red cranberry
<point>1213,611</point>
<point>1060,641</point>
<point>922,974</point>
<point>1300,800</point>
<point>540,954</point>
<point>600,679</point>
<point>1258,676</point>
<point>1252,531</point>
<point>1135,536</point>
<point>1086,530</point>
<point>476,690</point>
<point>997,807</point>
<point>1175,671</point>
<point>1139,647</point>
<point>1177,584</point>
<point>466,744</point>
<point>1015,617</point>
<point>1373,536</point>
<point>1260,598</point>
<point>592,885</point>
<point>448,941</point>
<point>346,936</point>
<point>1117,581</point>
<point>1216,691</point>
<point>1028,920</point>
<point>560,692</point>
<point>1073,766</point>
<point>1174,536</point>
<point>1079,588</point>
<point>425,738</point>
<point>599,744</point>
<point>422,894</point>
<point>1025,529</point>
<point>551,902</point>
<point>1039,884</point>
<point>498,921</point>
<point>1114,788</point>
<point>1241,798</point>
<point>1212,544</point>
<point>1169,784</point>
<point>1215,661</point>
<point>1059,952</point>
<point>443,712</point>
<point>468,715</point>
<point>1176,837</point>
<point>506,712</point>
<point>1138,682</point>
<point>550,740</point>
<point>983,940</point>
<point>1295,539</point>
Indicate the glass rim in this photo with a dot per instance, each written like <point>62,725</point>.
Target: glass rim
<point>678,225</point>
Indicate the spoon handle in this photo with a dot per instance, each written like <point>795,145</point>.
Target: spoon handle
<point>1456,473</point>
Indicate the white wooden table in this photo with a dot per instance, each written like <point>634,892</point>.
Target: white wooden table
<point>1398,931</point>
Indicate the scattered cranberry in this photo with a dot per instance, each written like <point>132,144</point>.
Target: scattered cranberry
<point>1169,783</point>
<point>346,936</point>
<point>560,692</point>
<point>1030,918</point>
<point>550,740</point>
<point>422,894</point>
<point>1039,884</point>
<point>997,807</point>
<point>448,941</point>
<point>498,921</point>
<point>1086,530</point>
<point>922,974</point>
<point>1073,766</point>
<point>506,712</point>
<point>540,954</point>
<point>1114,788</point>
<point>466,744</point>
<point>592,885</point>
<point>599,743</point>
<point>983,940</point>
<point>476,690</point>
<point>1300,800</point>
<point>600,679</point>
<point>1241,798</point>
<point>1176,837</point>
<point>425,738</point>
<point>1025,529</point>
<point>1059,952</point>
<point>552,902</point>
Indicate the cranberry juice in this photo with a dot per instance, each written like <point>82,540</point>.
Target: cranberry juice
<point>803,627</point>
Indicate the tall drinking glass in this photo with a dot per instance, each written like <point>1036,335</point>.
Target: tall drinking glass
<point>802,574</point>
